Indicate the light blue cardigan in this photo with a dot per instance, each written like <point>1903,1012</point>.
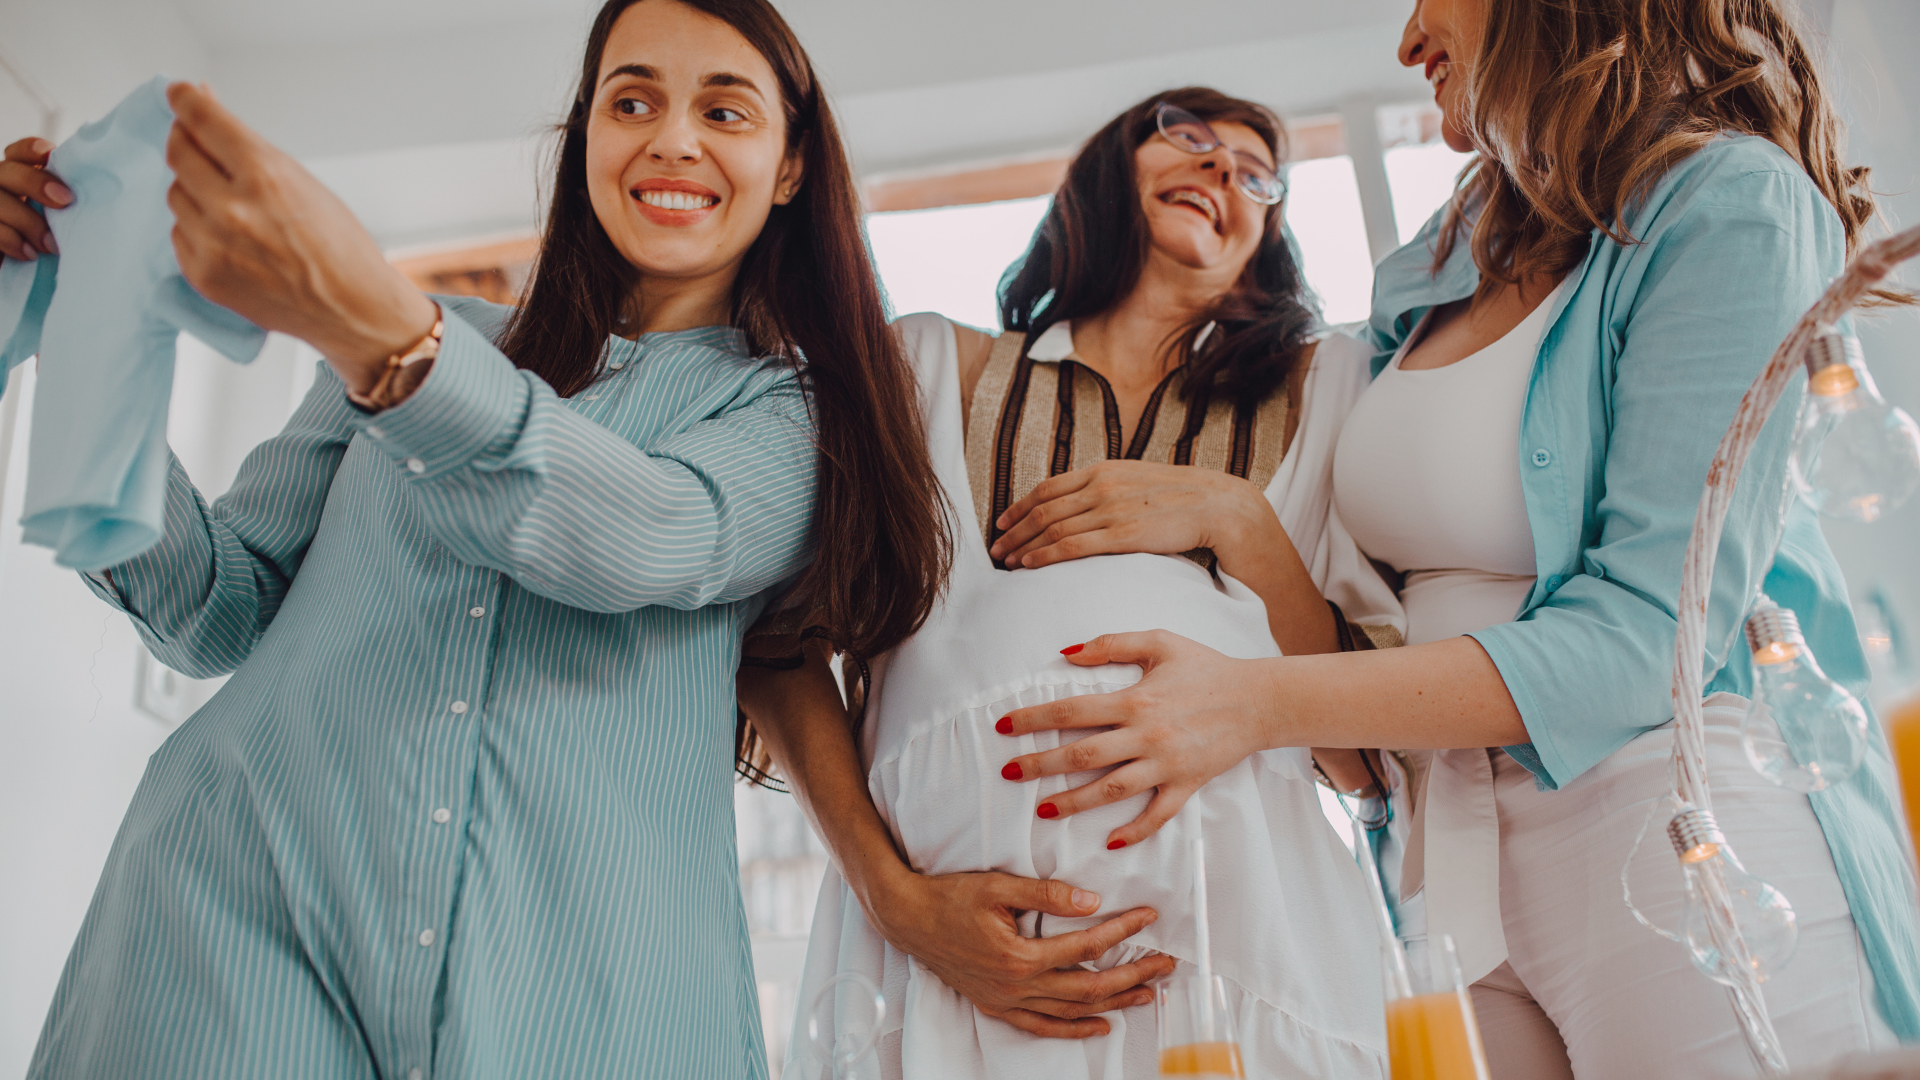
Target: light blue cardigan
<point>1646,356</point>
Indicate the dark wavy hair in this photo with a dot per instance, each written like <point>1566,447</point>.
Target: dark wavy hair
<point>1087,255</point>
<point>806,296</point>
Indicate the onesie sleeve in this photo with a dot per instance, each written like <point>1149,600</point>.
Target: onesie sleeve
<point>1591,666</point>
<point>509,477</point>
<point>206,592</point>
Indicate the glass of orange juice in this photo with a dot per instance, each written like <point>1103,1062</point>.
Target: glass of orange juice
<point>1431,1032</point>
<point>1903,731</point>
<point>1197,1034</point>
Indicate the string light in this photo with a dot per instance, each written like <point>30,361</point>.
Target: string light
<point>1854,455</point>
<point>1795,704</point>
<point>1718,885</point>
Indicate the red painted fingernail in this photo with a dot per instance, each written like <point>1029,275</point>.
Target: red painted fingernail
<point>1004,725</point>
<point>1116,845</point>
<point>1012,771</point>
<point>1048,810</point>
<point>1071,649</point>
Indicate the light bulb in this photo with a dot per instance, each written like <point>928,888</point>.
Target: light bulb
<point>1854,455</point>
<point>1716,881</point>
<point>1795,705</point>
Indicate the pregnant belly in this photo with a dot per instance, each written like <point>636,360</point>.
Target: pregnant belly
<point>999,633</point>
<point>1285,896</point>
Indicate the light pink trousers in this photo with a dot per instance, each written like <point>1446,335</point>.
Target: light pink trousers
<point>1588,992</point>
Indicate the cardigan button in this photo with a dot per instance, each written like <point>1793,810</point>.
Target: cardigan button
<point>1542,459</point>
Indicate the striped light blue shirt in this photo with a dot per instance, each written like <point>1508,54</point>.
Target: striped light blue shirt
<point>464,808</point>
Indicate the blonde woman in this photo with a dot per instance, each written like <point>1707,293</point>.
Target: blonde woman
<point>1660,192</point>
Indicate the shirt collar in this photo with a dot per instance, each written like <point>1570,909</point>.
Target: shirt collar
<point>1055,344</point>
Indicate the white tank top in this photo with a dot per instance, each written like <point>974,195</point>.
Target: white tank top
<point>1427,479</point>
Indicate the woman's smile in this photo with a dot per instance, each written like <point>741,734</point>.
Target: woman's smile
<point>1201,202</point>
<point>674,202</point>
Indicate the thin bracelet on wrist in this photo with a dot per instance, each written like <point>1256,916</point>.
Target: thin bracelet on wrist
<point>384,394</point>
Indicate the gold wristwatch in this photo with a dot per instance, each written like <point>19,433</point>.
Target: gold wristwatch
<point>400,377</point>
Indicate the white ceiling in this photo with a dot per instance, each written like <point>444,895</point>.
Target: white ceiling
<point>859,45</point>
<point>427,114</point>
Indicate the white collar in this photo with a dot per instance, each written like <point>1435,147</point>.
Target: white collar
<point>1057,342</point>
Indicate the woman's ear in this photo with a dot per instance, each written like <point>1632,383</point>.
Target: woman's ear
<point>787,184</point>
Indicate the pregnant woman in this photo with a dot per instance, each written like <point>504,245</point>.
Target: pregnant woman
<point>1158,348</point>
<point>1659,195</point>
<point>464,808</point>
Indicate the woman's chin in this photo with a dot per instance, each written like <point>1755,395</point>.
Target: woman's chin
<point>673,257</point>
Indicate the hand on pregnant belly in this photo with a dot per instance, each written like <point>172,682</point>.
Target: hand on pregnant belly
<point>1123,506</point>
<point>1186,721</point>
<point>962,926</point>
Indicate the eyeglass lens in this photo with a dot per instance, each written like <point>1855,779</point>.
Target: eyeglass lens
<point>1195,136</point>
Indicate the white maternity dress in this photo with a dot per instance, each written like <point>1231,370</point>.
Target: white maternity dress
<point>1290,929</point>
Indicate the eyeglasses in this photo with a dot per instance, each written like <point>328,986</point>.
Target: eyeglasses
<point>1190,133</point>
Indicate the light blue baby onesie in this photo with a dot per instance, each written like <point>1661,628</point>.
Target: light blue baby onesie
<point>103,316</point>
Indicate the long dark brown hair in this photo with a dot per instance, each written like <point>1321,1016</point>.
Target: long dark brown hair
<point>1579,106</point>
<point>806,296</point>
<point>1088,252</point>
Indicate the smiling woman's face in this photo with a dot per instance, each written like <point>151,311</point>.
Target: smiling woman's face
<point>686,142</point>
<point>1441,36</point>
<point>1194,214</point>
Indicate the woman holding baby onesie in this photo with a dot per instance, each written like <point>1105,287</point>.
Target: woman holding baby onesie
<point>464,808</point>
<point>1158,349</point>
<point>1660,193</point>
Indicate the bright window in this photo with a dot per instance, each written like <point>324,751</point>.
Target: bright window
<point>1421,179</point>
<point>950,259</point>
<point>1323,210</point>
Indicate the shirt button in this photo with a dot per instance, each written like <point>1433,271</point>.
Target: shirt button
<point>374,430</point>
<point>476,612</point>
<point>426,938</point>
<point>1542,458</point>
<point>616,364</point>
<point>416,465</point>
<point>415,1074</point>
<point>442,816</point>
<point>458,707</point>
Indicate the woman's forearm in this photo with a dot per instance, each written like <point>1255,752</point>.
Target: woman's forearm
<point>803,720</point>
<point>1262,557</point>
<point>1443,695</point>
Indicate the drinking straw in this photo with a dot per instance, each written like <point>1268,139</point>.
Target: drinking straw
<point>1203,938</point>
<point>1397,967</point>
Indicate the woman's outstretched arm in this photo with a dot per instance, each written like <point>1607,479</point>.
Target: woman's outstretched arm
<point>1195,714</point>
<point>960,925</point>
<point>202,597</point>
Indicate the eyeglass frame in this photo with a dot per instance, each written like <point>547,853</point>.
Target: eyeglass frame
<point>1160,111</point>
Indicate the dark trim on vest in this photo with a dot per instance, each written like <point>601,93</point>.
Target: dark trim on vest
<point>1143,432</point>
<point>1240,458</point>
<point>1196,420</point>
<point>1003,444</point>
<point>1063,421</point>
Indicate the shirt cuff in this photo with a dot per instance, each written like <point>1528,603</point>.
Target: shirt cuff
<point>1541,757</point>
<point>471,403</point>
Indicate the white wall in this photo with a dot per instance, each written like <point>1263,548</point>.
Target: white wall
<point>1873,45</point>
